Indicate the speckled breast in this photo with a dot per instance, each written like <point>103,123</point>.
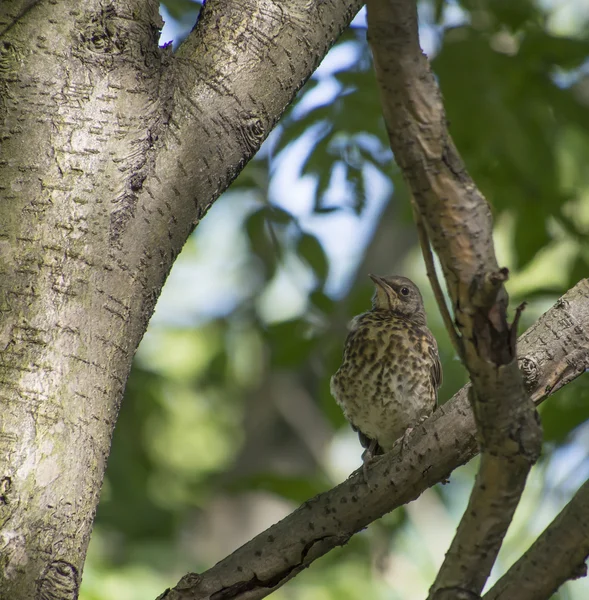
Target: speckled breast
<point>384,385</point>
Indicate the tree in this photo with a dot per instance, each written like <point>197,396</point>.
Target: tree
<point>112,152</point>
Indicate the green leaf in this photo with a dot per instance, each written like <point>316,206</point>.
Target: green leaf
<point>261,242</point>
<point>323,181</point>
<point>309,248</point>
<point>438,10</point>
<point>319,160</point>
<point>289,342</point>
<point>566,410</point>
<point>279,215</point>
<point>509,123</point>
<point>322,301</point>
<point>531,235</point>
<point>293,129</point>
<point>356,180</point>
<point>514,14</point>
<point>538,46</point>
<point>326,209</point>
<point>360,110</point>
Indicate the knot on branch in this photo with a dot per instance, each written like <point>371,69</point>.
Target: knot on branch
<point>5,486</point>
<point>102,37</point>
<point>9,58</point>
<point>252,132</point>
<point>455,593</point>
<point>487,291</point>
<point>530,371</point>
<point>189,581</point>
<point>59,580</point>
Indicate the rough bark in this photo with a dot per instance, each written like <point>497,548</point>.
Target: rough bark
<point>553,352</point>
<point>558,555</point>
<point>458,223</point>
<point>111,151</point>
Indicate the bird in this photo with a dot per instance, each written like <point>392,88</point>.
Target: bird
<point>390,374</point>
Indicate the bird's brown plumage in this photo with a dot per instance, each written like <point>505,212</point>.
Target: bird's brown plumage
<point>390,374</point>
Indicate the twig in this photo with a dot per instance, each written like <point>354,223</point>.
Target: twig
<point>430,269</point>
<point>518,313</point>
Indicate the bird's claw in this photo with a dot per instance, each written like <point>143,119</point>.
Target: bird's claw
<point>367,457</point>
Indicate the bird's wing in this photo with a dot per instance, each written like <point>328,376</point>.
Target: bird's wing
<point>436,365</point>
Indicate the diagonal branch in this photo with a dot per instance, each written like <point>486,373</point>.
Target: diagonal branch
<point>555,349</point>
<point>458,223</point>
<point>557,555</point>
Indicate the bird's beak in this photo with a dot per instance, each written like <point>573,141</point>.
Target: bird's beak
<point>378,281</point>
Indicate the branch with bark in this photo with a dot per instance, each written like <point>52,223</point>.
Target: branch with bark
<point>558,555</point>
<point>454,216</point>
<point>112,151</point>
<point>553,352</point>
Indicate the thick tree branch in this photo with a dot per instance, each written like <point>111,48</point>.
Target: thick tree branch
<point>112,150</point>
<point>458,222</point>
<point>557,555</point>
<point>555,349</point>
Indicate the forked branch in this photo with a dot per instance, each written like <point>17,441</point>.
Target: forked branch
<point>455,217</point>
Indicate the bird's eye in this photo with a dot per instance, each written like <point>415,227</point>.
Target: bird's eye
<point>405,291</point>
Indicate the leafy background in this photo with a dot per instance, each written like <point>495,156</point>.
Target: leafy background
<point>228,424</point>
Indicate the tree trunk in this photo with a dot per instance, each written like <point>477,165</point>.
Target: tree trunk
<point>112,149</point>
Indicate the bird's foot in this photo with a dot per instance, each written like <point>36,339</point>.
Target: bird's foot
<point>404,439</point>
<point>367,456</point>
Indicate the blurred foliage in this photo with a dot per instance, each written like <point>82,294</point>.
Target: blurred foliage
<point>228,423</point>
<point>181,10</point>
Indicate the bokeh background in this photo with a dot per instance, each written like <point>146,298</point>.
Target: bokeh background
<point>227,423</point>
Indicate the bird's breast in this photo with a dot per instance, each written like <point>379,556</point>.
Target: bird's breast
<point>384,384</point>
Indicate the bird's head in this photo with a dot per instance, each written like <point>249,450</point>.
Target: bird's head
<point>397,295</point>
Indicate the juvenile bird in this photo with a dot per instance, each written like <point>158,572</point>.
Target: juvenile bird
<point>390,375</point>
